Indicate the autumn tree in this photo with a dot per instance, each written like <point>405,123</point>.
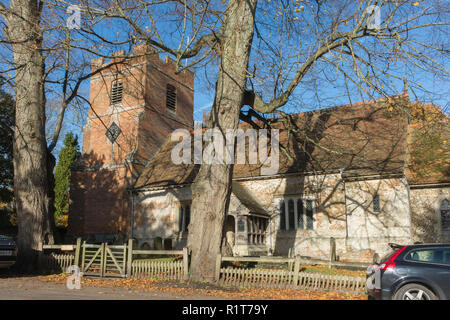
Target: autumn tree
<point>66,158</point>
<point>427,113</point>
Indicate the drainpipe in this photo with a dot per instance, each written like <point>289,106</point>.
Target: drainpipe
<point>132,214</point>
<point>408,197</point>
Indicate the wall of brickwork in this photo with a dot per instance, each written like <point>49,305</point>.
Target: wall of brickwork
<point>90,190</point>
<point>426,215</point>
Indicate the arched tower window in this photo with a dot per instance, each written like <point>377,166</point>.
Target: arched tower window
<point>171,98</point>
<point>116,91</point>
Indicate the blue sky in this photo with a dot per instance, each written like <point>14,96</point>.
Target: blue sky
<point>315,92</point>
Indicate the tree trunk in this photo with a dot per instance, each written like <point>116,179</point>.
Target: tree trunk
<point>212,187</point>
<point>30,149</point>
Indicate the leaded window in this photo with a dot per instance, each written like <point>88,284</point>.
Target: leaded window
<point>376,203</point>
<point>296,213</point>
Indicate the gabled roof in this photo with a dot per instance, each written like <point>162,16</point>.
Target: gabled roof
<point>247,199</point>
<point>365,138</point>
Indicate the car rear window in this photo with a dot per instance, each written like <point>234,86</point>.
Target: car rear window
<point>387,256</point>
<point>430,255</point>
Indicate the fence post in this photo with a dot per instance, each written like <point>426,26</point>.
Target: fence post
<point>186,263</point>
<point>332,251</point>
<point>289,265</point>
<point>83,250</point>
<point>129,258</point>
<point>218,265</point>
<point>77,252</point>
<point>296,270</point>
<point>103,260</point>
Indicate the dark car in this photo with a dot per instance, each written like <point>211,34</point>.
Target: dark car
<point>8,251</point>
<point>412,272</point>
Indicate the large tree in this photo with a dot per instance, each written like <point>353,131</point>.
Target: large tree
<point>29,144</point>
<point>35,61</point>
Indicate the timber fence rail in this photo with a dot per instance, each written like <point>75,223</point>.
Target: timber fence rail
<point>122,261</point>
<point>105,260</point>
<point>292,278</point>
<point>58,260</point>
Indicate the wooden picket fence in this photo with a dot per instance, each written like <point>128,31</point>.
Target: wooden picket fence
<point>283,279</point>
<point>113,261</point>
<point>291,278</point>
<point>177,269</point>
<point>63,256</point>
<point>158,269</point>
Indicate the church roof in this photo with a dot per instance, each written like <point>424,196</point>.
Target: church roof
<point>360,139</point>
<point>428,153</point>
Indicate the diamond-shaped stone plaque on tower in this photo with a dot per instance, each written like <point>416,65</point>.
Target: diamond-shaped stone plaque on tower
<point>113,132</point>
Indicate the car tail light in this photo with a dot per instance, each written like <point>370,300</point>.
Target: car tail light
<point>390,262</point>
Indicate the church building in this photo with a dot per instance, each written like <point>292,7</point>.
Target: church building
<point>353,173</point>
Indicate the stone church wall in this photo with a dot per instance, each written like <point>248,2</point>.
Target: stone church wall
<point>426,214</point>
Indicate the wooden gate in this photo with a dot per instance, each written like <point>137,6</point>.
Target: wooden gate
<point>104,260</point>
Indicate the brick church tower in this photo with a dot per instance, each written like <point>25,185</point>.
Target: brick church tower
<point>134,106</point>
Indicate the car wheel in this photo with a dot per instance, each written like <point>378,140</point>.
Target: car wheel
<point>414,291</point>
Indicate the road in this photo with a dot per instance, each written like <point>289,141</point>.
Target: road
<point>32,288</point>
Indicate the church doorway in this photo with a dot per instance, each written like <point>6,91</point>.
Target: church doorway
<point>229,235</point>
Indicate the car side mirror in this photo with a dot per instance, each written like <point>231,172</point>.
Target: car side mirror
<point>376,258</point>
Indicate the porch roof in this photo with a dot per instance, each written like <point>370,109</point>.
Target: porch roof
<point>364,138</point>
<point>248,200</point>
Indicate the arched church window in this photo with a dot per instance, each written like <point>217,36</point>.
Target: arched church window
<point>376,203</point>
<point>291,214</point>
<point>282,216</point>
